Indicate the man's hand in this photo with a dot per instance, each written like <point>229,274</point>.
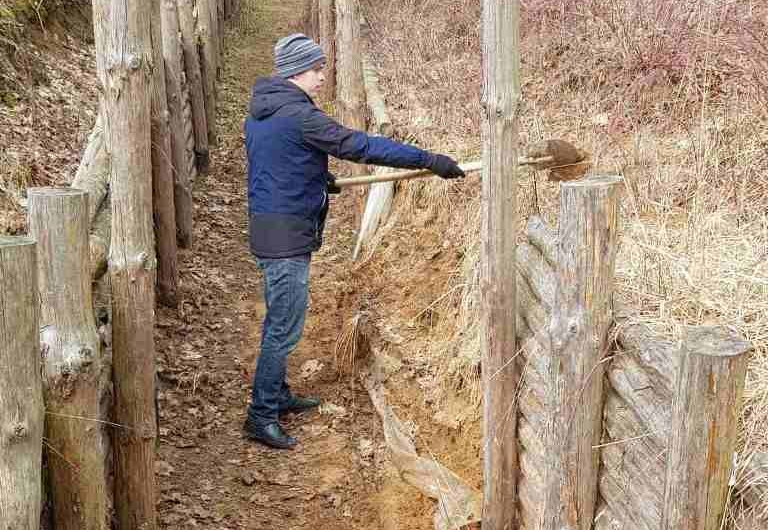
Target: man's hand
<point>331,186</point>
<point>446,167</point>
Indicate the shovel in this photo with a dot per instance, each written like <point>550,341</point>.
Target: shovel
<point>564,161</point>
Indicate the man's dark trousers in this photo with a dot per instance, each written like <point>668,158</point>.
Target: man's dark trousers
<point>286,293</point>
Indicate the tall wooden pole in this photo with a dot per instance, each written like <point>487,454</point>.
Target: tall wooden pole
<point>194,76</point>
<point>74,368</point>
<point>162,172</point>
<point>221,33</point>
<point>702,438</point>
<point>349,82</point>
<point>124,63</point>
<point>21,394</point>
<point>581,318</point>
<point>174,65</point>
<point>314,19</point>
<point>327,23</point>
<point>206,33</point>
<point>501,376</point>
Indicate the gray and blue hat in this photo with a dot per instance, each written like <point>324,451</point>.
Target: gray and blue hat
<point>295,54</point>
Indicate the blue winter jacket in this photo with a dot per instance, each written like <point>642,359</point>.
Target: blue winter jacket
<point>288,140</point>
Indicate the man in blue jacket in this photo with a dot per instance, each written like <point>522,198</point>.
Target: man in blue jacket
<point>288,140</point>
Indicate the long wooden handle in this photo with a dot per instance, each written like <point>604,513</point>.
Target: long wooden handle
<point>476,165</point>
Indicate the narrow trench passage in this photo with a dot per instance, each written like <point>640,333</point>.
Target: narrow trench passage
<point>208,475</point>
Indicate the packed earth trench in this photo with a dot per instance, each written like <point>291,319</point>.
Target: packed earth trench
<point>208,475</point>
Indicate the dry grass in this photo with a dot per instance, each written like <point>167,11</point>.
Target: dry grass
<point>352,346</point>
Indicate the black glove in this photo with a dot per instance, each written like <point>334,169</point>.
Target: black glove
<point>446,167</point>
<point>331,186</point>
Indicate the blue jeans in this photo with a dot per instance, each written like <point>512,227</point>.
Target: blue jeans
<point>286,293</point>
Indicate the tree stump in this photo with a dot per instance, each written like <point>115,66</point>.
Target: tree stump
<point>21,395</point>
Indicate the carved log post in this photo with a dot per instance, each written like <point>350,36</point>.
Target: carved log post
<point>162,172</point>
<point>74,370</point>
<point>581,318</point>
<point>124,58</point>
<point>174,63</point>
<point>194,81</point>
<point>327,22</point>
<point>206,34</point>
<point>702,438</point>
<point>501,376</point>
<point>21,394</point>
<point>349,82</point>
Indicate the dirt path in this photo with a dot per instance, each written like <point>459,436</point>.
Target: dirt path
<point>208,475</point>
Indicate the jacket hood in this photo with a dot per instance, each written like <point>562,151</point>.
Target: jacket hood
<point>270,94</point>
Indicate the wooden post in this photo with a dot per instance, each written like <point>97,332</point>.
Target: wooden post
<point>93,172</point>
<point>74,369</point>
<point>702,438</point>
<point>174,64</point>
<point>163,172</point>
<point>221,33</point>
<point>124,59</point>
<point>327,23</point>
<point>195,82</point>
<point>21,394</point>
<point>99,240</point>
<point>380,195</point>
<point>500,98</point>
<point>349,82</point>
<point>189,138</point>
<point>581,318</point>
<point>314,19</point>
<point>207,38</point>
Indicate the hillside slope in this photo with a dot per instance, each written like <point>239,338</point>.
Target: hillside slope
<point>671,96</point>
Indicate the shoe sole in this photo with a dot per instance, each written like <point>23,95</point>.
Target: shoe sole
<point>297,411</point>
<point>266,442</point>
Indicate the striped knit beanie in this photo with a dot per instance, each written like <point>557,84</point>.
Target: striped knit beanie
<point>295,54</point>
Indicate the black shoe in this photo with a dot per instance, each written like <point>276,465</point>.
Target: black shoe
<point>271,434</point>
<point>299,404</point>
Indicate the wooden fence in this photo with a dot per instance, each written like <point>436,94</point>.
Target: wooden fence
<point>622,429</point>
<point>55,294</point>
